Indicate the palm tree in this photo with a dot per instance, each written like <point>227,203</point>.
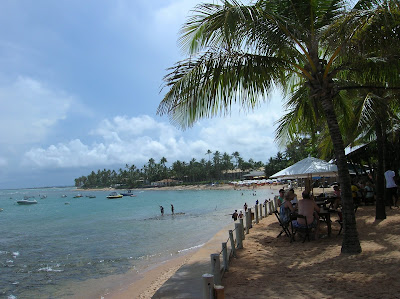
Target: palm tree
<point>238,53</point>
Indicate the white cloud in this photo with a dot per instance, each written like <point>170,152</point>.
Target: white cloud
<point>137,139</point>
<point>29,109</point>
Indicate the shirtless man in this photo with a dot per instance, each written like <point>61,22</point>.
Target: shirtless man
<point>307,207</point>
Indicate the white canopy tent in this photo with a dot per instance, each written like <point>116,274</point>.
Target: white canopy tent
<point>306,168</point>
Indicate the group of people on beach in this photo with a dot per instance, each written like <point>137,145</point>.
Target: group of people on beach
<point>289,204</point>
<point>162,210</point>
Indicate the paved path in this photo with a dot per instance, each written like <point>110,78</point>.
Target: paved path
<point>187,281</point>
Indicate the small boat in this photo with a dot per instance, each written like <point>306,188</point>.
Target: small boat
<point>78,195</point>
<point>114,195</point>
<point>91,196</point>
<point>63,196</point>
<point>128,193</point>
<point>26,201</point>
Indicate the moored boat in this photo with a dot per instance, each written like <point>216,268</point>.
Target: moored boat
<point>26,201</point>
<point>78,195</point>
<point>114,195</point>
<point>128,193</point>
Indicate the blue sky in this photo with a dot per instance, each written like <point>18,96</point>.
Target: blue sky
<point>80,85</point>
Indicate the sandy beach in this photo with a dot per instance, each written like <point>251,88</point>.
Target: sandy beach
<point>270,267</point>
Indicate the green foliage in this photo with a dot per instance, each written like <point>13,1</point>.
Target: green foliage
<point>215,169</point>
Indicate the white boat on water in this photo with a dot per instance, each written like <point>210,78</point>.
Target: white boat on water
<point>26,201</point>
<point>114,195</point>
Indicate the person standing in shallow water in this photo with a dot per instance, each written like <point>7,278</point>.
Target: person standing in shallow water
<point>245,206</point>
<point>162,210</point>
<point>172,208</point>
<point>235,215</point>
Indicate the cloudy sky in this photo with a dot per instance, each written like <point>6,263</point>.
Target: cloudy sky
<point>80,85</point>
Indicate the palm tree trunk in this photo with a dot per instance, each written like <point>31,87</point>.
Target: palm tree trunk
<point>380,212</point>
<point>350,243</point>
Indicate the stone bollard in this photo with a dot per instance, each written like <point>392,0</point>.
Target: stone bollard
<point>247,222</point>
<point>266,208</point>
<point>216,268</point>
<point>270,207</point>
<point>256,212</point>
<point>208,286</point>
<point>250,218</point>
<point>232,242</point>
<point>225,256</point>
<point>239,233</point>
<point>242,224</point>
<point>261,216</point>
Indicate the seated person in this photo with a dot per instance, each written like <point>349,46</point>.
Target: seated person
<point>338,201</point>
<point>285,209</point>
<point>281,197</point>
<point>293,196</point>
<point>307,207</point>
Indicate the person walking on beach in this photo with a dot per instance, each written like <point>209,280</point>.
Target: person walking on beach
<point>162,210</point>
<point>172,209</point>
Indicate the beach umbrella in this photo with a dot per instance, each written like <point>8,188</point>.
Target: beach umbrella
<point>307,167</point>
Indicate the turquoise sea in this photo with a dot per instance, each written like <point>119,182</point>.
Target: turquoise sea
<point>48,247</point>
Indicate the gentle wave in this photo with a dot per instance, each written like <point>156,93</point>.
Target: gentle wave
<point>191,248</point>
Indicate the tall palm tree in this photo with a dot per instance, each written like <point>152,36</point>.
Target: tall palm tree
<point>239,53</point>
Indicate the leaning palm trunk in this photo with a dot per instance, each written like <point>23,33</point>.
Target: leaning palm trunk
<point>351,243</point>
<point>380,212</point>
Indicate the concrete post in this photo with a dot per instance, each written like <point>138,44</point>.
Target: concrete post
<point>247,222</point>
<point>261,216</point>
<point>250,218</point>
<point>232,243</point>
<point>225,256</point>
<point>208,286</point>
<point>239,233</point>
<point>266,208</point>
<point>256,212</point>
<point>216,268</point>
<point>242,231</point>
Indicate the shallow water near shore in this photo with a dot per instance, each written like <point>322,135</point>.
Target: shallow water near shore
<point>48,247</point>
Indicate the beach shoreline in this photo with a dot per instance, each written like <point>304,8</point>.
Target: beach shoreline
<point>155,278</point>
<point>146,282</point>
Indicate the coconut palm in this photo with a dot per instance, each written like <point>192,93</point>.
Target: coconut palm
<point>239,53</point>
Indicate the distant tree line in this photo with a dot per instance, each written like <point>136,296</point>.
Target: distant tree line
<point>215,167</point>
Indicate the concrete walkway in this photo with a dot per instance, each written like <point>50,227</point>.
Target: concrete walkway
<point>187,281</point>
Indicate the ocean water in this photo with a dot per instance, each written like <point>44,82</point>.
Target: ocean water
<point>48,247</point>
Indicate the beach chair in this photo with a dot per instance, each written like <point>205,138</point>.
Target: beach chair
<point>303,229</point>
<point>284,226</point>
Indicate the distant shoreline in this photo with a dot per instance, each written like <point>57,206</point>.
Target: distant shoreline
<point>189,187</point>
<point>214,187</point>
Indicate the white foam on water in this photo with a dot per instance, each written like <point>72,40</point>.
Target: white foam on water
<point>11,297</point>
<point>191,248</point>
<point>15,254</point>
<point>49,269</point>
